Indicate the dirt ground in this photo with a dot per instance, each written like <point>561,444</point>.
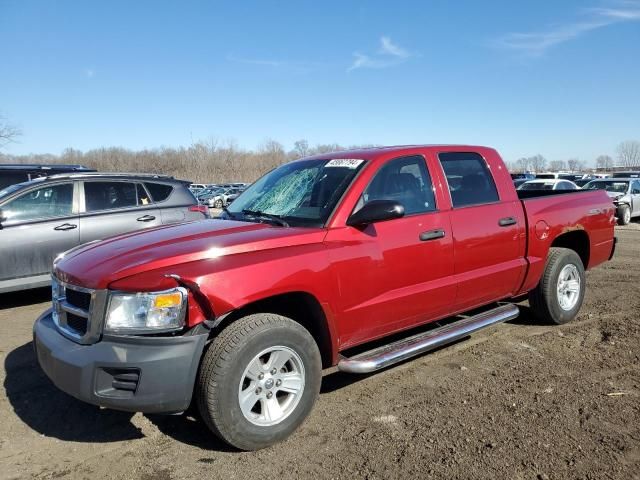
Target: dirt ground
<point>517,401</point>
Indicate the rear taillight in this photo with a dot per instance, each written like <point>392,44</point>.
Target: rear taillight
<point>200,208</point>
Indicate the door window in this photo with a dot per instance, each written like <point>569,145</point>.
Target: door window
<point>469,179</point>
<point>110,195</point>
<point>635,190</point>
<point>46,202</point>
<point>405,180</point>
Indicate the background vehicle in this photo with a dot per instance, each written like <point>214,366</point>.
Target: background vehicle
<point>629,174</point>
<point>553,184</point>
<point>42,218</point>
<point>522,176</point>
<point>556,175</point>
<point>220,198</point>
<point>625,193</point>
<point>10,174</point>
<point>318,256</point>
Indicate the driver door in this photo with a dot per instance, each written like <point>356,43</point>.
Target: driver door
<point>394,274</point>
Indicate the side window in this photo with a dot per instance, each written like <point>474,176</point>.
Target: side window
<point>143,196</point>
<point>109,195</point>
<point>635,189</point>
<point>46,202</point>
<point>469,179</point>
<point>405,180</point>
<point>159,191</point>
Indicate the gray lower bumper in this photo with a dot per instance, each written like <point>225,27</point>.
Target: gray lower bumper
<point>137,374</point>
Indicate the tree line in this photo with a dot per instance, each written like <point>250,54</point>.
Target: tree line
<point>208,161</point>
<point>628,156</point>
<point>214,161</point>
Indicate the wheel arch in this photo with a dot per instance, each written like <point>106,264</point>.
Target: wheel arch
<point>576,240</point>
<point>300,306</point>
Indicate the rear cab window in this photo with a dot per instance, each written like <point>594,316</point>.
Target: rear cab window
<point>469,179</point>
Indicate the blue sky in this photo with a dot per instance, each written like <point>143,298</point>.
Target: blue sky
<point>557,78</point>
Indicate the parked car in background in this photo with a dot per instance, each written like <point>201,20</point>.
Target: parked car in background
<point>220,198</point>
<point>522,176</point>
<point>552,184</point>
<point>630,174</point>
<point>625,194</point>
<point>10,174</point>
<point>197,187</point>
<point>42,218</point>
<point>556,175</point>
<point>581,182</point>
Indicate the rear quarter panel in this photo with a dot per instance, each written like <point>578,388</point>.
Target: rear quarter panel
<point>551,216</point>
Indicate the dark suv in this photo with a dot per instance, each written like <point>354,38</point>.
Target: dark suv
<point>42,218</point>
<point>11,174</point>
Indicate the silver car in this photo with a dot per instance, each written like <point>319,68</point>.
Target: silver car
<point>624,193</point>
<point>42,218</point>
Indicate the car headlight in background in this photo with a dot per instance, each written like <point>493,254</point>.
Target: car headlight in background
<point>152,312</point>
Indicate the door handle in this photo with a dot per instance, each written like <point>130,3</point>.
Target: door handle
<point>432,235</point>
<point>507,221</point>
<point>146,218</point>
<point>65,226</point>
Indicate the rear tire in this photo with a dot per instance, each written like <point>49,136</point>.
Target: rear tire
<point>258,380</point>
<point>559,295</point>
<point>624,215</point>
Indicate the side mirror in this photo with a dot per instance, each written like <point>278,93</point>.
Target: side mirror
<point>376,211</point>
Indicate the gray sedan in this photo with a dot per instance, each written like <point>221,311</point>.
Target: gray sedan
<point>42,218</point>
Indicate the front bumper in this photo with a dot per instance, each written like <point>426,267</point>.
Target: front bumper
<point>136,374</point>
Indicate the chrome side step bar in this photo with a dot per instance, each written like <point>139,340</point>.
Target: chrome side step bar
<point>423,342</point>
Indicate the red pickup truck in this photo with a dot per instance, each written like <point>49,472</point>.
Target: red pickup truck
<point>319,256</point>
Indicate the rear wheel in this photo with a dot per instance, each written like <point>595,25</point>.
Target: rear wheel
<point>624,214</point>
<point>259,380</point>
<point>559,295</point>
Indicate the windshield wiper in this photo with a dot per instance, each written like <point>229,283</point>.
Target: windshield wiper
<point>266,216</point>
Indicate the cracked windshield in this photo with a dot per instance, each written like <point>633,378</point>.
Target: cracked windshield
<point>302,193</point>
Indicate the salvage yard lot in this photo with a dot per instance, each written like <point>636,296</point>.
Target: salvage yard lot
<point>520,400</point>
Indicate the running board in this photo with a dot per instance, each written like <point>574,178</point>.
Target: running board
<point>405,348</point>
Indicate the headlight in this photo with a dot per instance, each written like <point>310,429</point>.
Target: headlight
<point>152,312</point>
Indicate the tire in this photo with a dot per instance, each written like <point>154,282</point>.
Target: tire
<point>217,204</point>
<point>624,215</point>
<point>230,371</point>
<point>546,300</point>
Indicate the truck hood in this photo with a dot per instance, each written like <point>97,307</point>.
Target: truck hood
<point>97,264</point>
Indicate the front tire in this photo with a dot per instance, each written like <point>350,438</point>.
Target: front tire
<point>558,296</point>
<point>259,380</point>
<point>624,215</point>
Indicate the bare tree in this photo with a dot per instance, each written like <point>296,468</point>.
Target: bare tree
<point>604,162</point>
<point>629,153</point>
<point>574,164</point>
<point>301,149</point>
<point>522,164</point>
<point>8,132</point>
<point>557,165</point>
<point>537,163</point>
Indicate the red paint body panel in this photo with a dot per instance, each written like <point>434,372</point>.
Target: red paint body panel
<point>370,282</point>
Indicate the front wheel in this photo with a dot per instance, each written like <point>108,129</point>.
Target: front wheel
<point>258,380</point>
<point>560,292</point>
<point>624,214</point>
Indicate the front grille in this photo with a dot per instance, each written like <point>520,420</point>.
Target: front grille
<point>78,299</point>
<point>73,310</point>
<point>77,323</point>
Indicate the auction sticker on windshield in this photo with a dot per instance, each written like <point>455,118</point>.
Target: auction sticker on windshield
<point>351,163</point>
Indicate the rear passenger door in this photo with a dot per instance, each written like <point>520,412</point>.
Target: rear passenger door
<point>635,197</point>
<point>112,207</point>
<point>488,263</point>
